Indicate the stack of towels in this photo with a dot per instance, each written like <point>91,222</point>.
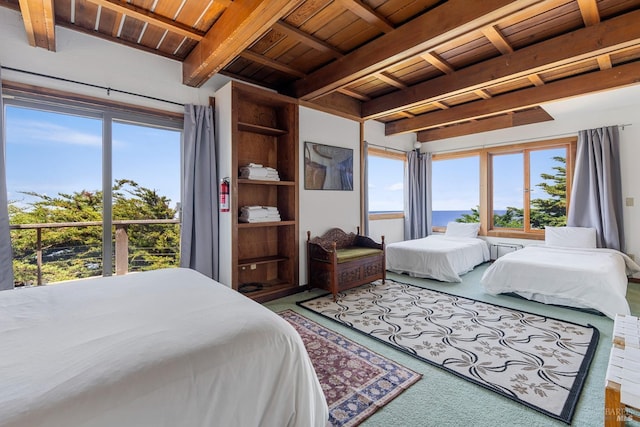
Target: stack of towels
<point>259,214</point>
<point>258,171</point>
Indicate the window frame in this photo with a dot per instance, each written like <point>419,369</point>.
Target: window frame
<point>385,153</point>
<point>486,182</point>
<point>55,101</point>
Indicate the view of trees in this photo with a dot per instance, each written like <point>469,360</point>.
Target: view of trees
<point>76,252</point>
<point>551,211</point>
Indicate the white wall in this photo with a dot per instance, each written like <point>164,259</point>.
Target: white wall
<point>616,107</point>
<point>321,210</point>
<point>223,133</point>
<point>96,61</point>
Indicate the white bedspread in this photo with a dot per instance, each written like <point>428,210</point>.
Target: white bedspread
<point>437,257</point>
<point>161,348</point>
<point>584,278</point>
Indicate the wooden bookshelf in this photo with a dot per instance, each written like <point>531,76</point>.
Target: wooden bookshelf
<point>264,130</point>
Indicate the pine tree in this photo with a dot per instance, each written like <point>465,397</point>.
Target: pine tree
<point>550,211</point>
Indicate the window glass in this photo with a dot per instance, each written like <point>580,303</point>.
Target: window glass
<point>508,187</point>
<point>548,188</point>
<point>455,190</point>
<point>54,164</point>
<point>55,160</point>
<point>386,184</point>
<point>146,176</point>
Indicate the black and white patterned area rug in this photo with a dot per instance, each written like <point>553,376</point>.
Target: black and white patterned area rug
<point>538,361</point>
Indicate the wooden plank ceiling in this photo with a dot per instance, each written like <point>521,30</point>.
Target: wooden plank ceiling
<point>438,68</point>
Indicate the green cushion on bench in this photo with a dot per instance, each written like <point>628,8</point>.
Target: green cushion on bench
<point>351,253</point>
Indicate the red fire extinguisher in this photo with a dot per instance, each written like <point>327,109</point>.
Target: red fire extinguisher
<point>224,195</point>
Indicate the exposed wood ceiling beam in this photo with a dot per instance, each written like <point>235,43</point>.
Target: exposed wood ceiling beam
<point>354,94</point>
<point>582,44</point>
<point>390,80</point>
<point>149,17</point>
<point>422,34</point>
<point>307,39</point>
<point>121,41</point>
<point>39,23</point>
<point>482,93</point>
<point>589,12</point>
<point>497,39</point>
<point>240,25</point>
<point>438,62</point>
<point>622,75</point>
<point>441,105</point>
<point>536,79</point>
<point>337,104</point>
<point>369,15</point>
<point>271,63</point>
<point>518,118</point>
<point>604,62</point>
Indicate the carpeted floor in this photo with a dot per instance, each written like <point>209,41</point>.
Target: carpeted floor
<point>356,381</point>
<point>442,399</point>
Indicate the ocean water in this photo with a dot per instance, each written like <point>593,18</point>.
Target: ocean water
<point>441,218</point>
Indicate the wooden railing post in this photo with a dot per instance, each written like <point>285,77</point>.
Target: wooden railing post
<point>122,249</point>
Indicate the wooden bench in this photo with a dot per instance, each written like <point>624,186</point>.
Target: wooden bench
<point>337,261</point>
<point>622,387</point>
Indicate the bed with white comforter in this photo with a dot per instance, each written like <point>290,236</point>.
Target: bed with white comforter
<point>438,257</point>
<point>575,277</point>
<point>162,348</point>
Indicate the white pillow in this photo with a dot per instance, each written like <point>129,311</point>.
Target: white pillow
<point>462,229</point>
<point>572,237</point>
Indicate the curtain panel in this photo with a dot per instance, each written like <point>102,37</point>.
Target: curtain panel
<point>365,189</point>
<point>596,194</point>
<point>199,238</point>
<point>6,253</point>
<point>417,218</point>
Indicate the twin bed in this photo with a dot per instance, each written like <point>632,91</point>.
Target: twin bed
<point>161,348</point>
<point>440,257</point>
<point>567,270</point>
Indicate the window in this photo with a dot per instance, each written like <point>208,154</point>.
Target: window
<point>91,191</point>
<point>513,191</point>
<point>529,187</point>
<point>386,183</point>
<point>455,189</point>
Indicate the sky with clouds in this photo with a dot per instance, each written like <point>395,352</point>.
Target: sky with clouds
<point>51,153</point>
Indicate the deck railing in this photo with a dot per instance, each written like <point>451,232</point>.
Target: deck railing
<point>121,238</point>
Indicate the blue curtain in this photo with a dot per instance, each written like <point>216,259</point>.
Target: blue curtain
<point>6,254</point>
<point>596,194</point>
<point>417,216</point>
<point>199,238</point>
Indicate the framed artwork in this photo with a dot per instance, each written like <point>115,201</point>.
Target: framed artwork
<point>327,167</point>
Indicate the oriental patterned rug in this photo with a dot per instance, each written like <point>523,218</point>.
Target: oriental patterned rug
<point>355,380</point>
<point>538,361</point>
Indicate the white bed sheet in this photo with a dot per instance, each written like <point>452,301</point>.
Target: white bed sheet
<point>583,278</point>
<point>162,348</point>
<point>437,256</point>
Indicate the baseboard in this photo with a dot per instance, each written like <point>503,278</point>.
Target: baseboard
<point>634,279</point>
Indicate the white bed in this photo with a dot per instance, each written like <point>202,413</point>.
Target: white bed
<point>439,257</point>
<point>162,348</point>
<point>575,277</point>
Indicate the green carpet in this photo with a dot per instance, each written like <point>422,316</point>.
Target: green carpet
<point>442,399</point>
